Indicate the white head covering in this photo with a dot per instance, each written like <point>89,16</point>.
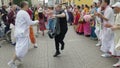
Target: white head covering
<point>116,5</point>
<point>40,10</point>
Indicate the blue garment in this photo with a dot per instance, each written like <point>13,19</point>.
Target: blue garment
<point>93,35</point>
<point>51,24</point>
<point>71,17</point>
<point>1,32</point>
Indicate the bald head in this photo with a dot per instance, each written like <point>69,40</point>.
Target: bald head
<point>24,5</point>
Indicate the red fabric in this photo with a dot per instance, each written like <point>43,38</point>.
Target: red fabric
<point>80,29</point>
<point>42,24</point>
<point>114,55</point>
<point>30,12</point>
<point>76,18</point>
<point>11,17</point>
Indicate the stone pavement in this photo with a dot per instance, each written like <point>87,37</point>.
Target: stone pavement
<point>80,52</point>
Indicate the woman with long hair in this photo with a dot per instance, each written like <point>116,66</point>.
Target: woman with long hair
<point>86,25</point>
<point>76,16</point>
<point>41,20</point>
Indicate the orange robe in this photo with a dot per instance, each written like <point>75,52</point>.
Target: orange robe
<point>32,36</point>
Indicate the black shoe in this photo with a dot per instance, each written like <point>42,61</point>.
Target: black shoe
<point>63,46</point>
<point>56,54</point>
<point>87,35</point>
<point>13,44</point>
<point>35,47</point>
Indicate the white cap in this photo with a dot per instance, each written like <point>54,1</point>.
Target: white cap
<point>40,10</point>
<point>117,4</point>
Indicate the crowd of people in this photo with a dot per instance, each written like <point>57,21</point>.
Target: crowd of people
<point>20,21</point>
<point>100,22</point>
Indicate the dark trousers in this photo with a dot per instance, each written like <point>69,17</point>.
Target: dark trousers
<point>59,39</point>
<point>7,28</point>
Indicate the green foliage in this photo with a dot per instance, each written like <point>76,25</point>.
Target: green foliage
<point>18,2</point>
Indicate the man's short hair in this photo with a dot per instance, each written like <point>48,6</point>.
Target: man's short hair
<point>107,1</point>
<point>58,5</point>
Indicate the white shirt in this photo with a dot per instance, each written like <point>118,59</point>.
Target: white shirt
<point>22,24</point>
<point>109,14</point>
<point>98,19</point>
<point>99,11</point>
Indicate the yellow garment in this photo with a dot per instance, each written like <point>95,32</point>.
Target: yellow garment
<point>86,10</point>
<point>36,15</point>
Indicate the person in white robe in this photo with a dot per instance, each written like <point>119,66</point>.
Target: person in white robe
<point>107,33</point>
<point>22,24</point>
<point>116,29</point>
<point>98,24</point>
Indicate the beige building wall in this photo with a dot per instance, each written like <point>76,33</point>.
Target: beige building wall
<point>0,3</point>
<point>6,2</point>
<point>36,2</point>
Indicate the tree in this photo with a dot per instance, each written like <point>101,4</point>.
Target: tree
<point>18,2</point>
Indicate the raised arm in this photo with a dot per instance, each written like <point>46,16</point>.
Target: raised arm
<point>28,20</point>
<point>61,15</point>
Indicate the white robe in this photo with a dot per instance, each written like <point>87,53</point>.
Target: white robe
<point>22,24</point>
<point>12,27</point>
<point>108,34</point>
<point>98,25</point>
<point>117,38</point>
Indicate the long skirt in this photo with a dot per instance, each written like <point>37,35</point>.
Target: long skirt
<point>87,29</point>
<point>22,46</point>
<point>80,28</point>
<point>42,25</point>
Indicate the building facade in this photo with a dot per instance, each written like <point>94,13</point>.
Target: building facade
<point>36,2</point>
<point>80,2</point>
<point>4,2</point>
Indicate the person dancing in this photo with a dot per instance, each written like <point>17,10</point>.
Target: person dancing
<point>22,24</point>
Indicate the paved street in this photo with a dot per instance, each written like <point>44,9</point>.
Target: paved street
<point>80,52</point>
